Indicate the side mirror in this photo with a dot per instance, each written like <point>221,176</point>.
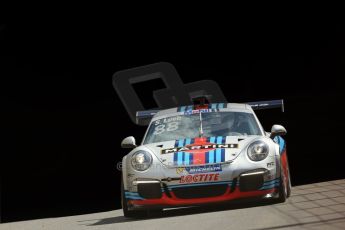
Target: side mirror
<point>128,143</point>
<point>277,130</point>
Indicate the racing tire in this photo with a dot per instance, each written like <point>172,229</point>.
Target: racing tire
<point>288,194</point>
<point>130,213</point>
<point>282,191</point>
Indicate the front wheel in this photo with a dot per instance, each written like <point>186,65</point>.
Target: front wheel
<point>289,185</point>
<point>126,211</point>
<point>283,190</point>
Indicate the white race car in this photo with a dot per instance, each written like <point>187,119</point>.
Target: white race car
<point>204,153</point>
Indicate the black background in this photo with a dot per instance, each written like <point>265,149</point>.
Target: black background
<point>64,121</point>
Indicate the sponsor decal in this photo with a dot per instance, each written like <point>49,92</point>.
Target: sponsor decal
<point>189,112</point>
<point>199,151</point>
<point>198,147</point>
<point>168,120</point>
<point>199,178</point>
<point>199,169</point>
<point>199,158</point>
<point>214,107</point>
<point>270,164</point>
<point>180,170</point>
<point>204,169</point>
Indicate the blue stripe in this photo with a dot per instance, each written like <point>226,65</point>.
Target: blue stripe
<point>132,193</point>
<point>211,156</point>
<point>269,186</point>
<point>186,158</point>
<point>175,157</point>
<point>191,158</point>
<point>180,143</point>
<point>213,139</point>
<point>281,144</point>
<point>188,141</point>
<point>271,182</point>
<point>190,107</point>
<point>219,139</point>
<point>218,155</point>
<point>207,160</point>
<point>176,143</point>
<point>134,198</point>
<point>223,155</point>
<point>179,158</point>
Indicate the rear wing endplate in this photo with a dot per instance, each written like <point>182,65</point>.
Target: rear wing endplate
<point>144,117</point>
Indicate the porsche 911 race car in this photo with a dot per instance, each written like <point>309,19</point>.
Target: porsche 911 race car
<point>202,154</point>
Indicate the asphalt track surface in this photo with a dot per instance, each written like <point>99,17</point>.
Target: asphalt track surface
<point>313,206</point>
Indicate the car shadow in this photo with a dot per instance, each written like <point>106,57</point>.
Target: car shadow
<point>168,213</point>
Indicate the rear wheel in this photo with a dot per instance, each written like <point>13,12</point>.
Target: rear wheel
<point>126,211</point>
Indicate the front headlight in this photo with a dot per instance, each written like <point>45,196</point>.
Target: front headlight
<point>257,151</point>
<point>141,160</point>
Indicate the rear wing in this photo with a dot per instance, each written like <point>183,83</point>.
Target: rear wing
<point>144,117</point>
<point>267,104</point>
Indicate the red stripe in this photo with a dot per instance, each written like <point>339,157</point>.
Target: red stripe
<point>200,140</point>
<point>202,106</point>
<point>199,155</point>
<point>199,158</point>
<point>174,201</point>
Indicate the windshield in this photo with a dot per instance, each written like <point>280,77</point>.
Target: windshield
<point>213,124</point>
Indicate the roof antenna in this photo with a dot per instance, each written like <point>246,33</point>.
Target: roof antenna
<point>201,131</point>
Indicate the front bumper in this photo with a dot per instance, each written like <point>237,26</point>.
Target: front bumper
<point>160,193</point>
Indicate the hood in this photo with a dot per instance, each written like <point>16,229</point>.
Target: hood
<point>199,151</point>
